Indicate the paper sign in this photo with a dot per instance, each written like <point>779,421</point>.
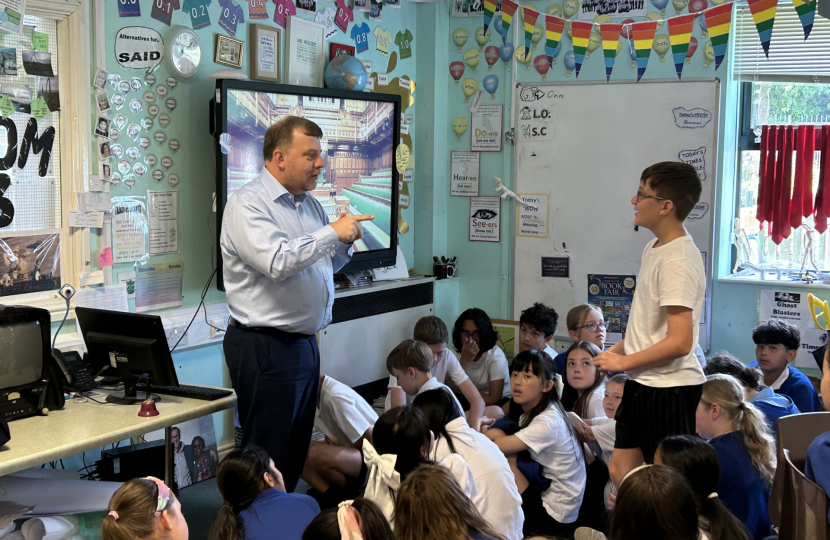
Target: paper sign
<point>697,159</point>
<point>383,78</point>
<point>532,215</point>
<point>105,258</point>
<point>404,83</point>
<point>6,106</point>
<point>40,41</point>
<point>404,201</point>
<point>111,298</point>
<point>40,109</point>
<point>694,118</point>
<point>129,229</point>
<point>406,176</point>
<point>92,201</point>
<point>793,308</point>
<point>370,83</point>
<point>11,15</point>
<point>485,219</point>
<point>138,47</point>
<point>85,220</point>
<point>486,129</point>
<point>163,209</point>
<point>464,174</point>
<point>158,286</point>
<point>556,267</point>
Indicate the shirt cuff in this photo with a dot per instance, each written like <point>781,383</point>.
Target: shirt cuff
<point>327,240</point>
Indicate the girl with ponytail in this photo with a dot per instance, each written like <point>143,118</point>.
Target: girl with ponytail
<point>255,502</point>
<point>698,462</point>
<point>740,436</point>
<point>144,509</point>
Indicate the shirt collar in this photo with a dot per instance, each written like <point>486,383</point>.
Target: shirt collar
<point>781,378</point>
<point>277,191</point>
<point>767,392</point>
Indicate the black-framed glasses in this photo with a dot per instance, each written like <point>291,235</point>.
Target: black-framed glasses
<point>468,335</point>
<point>641,195</point>
<point>593,327</point>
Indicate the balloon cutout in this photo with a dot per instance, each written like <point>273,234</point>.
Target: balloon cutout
<point>491,84</point>
<point>679,5</point>
<point>497,24</point>
<point>708,54</point>
<point>763,13</point>
<point>680,35</point>
<point>661,46</point>
<point>655,17</point>
<point>661,5</point>
<point>718,20</point>
<point>459,126</point>
<point>459,37</point>
<point>471,58</point>
<point>491,56</point>
<point>542,65</point>
<point>626,29</point>
<point>523,55</point>
<point>553,36</point>
<point>704,31</point>
<point>570,7</point>
<point>456,71</point>
<point>600,20</point>
<point>482,38</point>
<point>633,53</point>
<point>696,6</point>
<point>594,43</point>
<point>554,9</point>
<point>506,52</point>
<point>569,63</point>
<point>610,34</point>
<point>469,87</point>
<point>691,50</point>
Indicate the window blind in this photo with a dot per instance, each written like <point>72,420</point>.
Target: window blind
<point>791,59</point>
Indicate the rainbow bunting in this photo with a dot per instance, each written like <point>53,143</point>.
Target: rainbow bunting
<point>580,35</point>
<point>530,17</point>
<point>806,12</point>
<point>610,33</point>
<point>489,11</point>
<point>642,34</point>
<point>508,9</point>
<point>554,26</point>
<point>718,20</point>
<point>680,33</point>
<point>763,13</point>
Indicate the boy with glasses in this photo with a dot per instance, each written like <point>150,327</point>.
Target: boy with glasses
<point>658,351</point>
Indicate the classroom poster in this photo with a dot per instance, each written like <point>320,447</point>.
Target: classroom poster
<point>464,174</point>
<point>485,219</point>
<point>486,129</point>
<point>163,207</point>
<point>11,15</point>
<point>589,9</point>
<point>158,286</point>
<point>532,215</point>
<point>793,308</point>
<point>612,293</point>
<point>129,229</point>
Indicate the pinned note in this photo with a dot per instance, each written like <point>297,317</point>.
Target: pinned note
<point>105,258</point>
<point>40,109</point>
<point>40,41</point>
<point>6,107</point>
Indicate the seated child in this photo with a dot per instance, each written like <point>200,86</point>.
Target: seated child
<point>402,441</point>
<point>475,340</point>
<point>585,323</point>
<point>587,380</point>
<point>361,519</point>
<point>345,419</point>
<point>698,462</point>
<point>432,506</point>
<point>255,501</point>
<point>432,331</point>
<point>552,481</point>
<point>776,345</point>
<point>144,509</point>
<point>497,499</point>
<point>818,454</point>
<point>739,434</point>
<point>773,406</point>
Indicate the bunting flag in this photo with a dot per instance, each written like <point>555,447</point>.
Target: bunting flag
<point>610,33</point>
<point>718,20</point>
<point>489,11</point>
<point>529,15</point>
<point>554,26</point>
<point>680,33</point>
<point>508,9</point>
<point>642,34</point>
<point>763,13</point>
<point>806,12</point>
<point>580,35</point>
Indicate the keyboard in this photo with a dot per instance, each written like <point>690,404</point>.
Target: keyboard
<point>187,391</point>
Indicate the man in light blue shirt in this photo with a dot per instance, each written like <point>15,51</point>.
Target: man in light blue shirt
<point>279,252</point>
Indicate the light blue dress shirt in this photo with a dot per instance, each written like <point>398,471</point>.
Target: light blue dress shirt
<point>278,256</point>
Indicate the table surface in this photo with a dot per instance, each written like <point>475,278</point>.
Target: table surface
<point>81,427</point>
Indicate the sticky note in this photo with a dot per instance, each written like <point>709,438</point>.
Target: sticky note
<point>6,107</point>
<point>40,109</point>
<point>40,41</point>
<point>105,259</point>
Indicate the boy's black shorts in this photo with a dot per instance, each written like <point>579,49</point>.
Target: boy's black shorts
<point>647,415</point>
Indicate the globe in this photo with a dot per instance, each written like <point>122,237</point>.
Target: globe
<point>345,73</point>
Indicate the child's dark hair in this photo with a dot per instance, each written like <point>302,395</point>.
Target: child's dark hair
<point>240,478</point>
<point>540,317</point>
<point>777,331</point>
<point>698,462</point>
<point>403,431</point>
<point>431,330</point>
<point>410,354</point>
<point>580,407</point>
<point>643,510</point>
<point>677,182</point>
<point>135,503</point>
<point>751,377</point>
<point>373,524</point>
<point>487,336</point>
<point>439,408</point>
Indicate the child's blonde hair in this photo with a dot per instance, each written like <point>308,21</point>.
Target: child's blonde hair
<point>576,316</point>
<point>410,354</point>
<point>132,509</point>
<point>728,393</point>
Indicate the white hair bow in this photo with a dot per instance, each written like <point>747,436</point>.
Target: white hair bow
<point>383,481</point>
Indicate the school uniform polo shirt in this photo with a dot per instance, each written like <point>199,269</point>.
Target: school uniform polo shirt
<point>256,9</point>
<point>284,8</point>
<point>360,35</point>
<point>197,9</point>
<point>795,385</point>
<point>163,10</point>
<point>276,511</point>
<point>230,16</point>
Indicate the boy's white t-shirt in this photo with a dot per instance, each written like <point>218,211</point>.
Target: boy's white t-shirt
<point>447,366</point>
<point>498,500</point>
<point>552,445</point>
<point>559,383</point>
<point>433,384</point>
<point>492,366</point>
<point>605,432</point>
<point>595,407</point>
<point>342,415</point>
<point>670,275</point>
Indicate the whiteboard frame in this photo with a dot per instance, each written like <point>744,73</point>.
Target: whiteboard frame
<point>716,173</point>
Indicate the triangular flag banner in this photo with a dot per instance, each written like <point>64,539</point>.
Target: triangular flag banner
<point>610,40</point>
<point>718,20</point>
<point>763,13</point>
<point>530,17</point>
<point>642,34</point>
<point>489,11</point>
<point>807,13</point>
<point>554,26</point>
<point>680,33</point>
<point>508,9</point>
<point>580,34</point>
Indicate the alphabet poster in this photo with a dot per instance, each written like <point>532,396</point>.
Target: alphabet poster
<point>485,219</point>
<point>486,129</point>
<point>464,174</point>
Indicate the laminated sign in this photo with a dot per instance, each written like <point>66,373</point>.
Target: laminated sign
<point>137,47</point>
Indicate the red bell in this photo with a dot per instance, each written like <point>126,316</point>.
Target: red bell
<point>148,408</point>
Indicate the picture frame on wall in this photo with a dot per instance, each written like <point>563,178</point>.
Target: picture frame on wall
<point>265,52</point>
<point>305,58</point>
<point>338,49</point>
<point>228,51</point>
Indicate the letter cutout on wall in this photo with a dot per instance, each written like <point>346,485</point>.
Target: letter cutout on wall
<point>6,206</point>
<point>37,144</point>
<point>11,144</point>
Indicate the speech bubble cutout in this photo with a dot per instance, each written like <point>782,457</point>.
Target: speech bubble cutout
<point>119,121</point>
<point>694,118</point>
<point>697,159</point>
<point>171,82</point>
<point>164,119</point>
<point>117,101</point>
<point>132,153</point>
<point>138,47</point>
<point>149,97</point>
<point>115,179</point>
<point>158,175</point>
<point>114,80</point>
<point>166,162</point>
<point>116,150</point>
<point>173,180</point>
<point>129,181</point>
<point>123,87</point>
<point>136,106</point>
<point>136,84</point>
<point>144,142</point>
<point>150,79</point>
<point>153,110</point>
<point>132,131</point>
<point>171,104</point>
<point>151,160</point>
<point>699,210</point>
<point>115,134</point>
<point>161,90</point>
<point>147,123</point>
<point>174,145</point>
<point>124,166</point>
<point>140,169</point>
<point>160,137</point>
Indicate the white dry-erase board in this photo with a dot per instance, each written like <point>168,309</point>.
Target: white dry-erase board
<point>586,145</point>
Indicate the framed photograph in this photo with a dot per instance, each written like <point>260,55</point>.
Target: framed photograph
<point>228,51</point>
<point>265,52</point>
<point>306,57</point>
<point>336,49</point>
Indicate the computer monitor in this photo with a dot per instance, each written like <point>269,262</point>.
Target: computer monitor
<point>24,345</point>
<point>130,343</point>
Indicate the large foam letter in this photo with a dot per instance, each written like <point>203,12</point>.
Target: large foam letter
<point>11,144</point>
<point>43,142</point>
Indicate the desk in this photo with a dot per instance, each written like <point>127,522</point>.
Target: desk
<point>80,427</point>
